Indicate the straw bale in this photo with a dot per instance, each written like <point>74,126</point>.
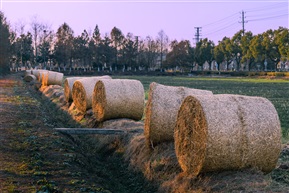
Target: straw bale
<point>261,133</point>
<point>161,111</point>
<point>38,75</point>
<point>118,98</point>
<point>29,78</point>
<point>27,72</point>
<point>227,132</point>
<point>68,84</point>
<point>82,91</point>
<point>54,78</point>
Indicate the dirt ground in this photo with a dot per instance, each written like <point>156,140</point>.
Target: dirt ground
<point>36,158</point>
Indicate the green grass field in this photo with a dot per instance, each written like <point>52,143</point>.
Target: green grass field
<point>276,90</point>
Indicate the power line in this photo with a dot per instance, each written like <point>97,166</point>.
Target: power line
<point>218,21</point>
<point>267,7</point>
<point>221,29</point>
<point>267,18</point>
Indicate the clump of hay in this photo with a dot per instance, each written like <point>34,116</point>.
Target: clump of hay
<point>68,84</point>
<point>161,111</point>
<point>118,98</point>
<point>29,78</point>
<point>227,132</point>
<point>82,91</point>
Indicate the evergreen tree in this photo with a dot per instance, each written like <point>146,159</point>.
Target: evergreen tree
<point>5,45</point>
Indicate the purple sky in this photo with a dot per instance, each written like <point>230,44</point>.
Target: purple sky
<point>178,19</point>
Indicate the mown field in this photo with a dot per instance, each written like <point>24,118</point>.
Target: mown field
<point>276,90</point>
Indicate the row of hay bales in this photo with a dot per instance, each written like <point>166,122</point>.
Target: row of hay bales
<point>109,98</point>
<point>46,77</point>
<point>210,132</point>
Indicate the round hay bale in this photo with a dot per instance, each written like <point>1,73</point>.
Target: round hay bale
<point>54,78</point>
<point>227,132</point>
<point>118,98</point>
<point>29,78</point>
<point>162,109</point>
<point>38,75</point>
<point>82,91</point>
<point>68,84</point>
<point>27,72</point>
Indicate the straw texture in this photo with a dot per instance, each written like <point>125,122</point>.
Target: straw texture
<point>27,72</point>
<point>54,78</point>
<point>161,111</point>
<point>82,91</point>
<point>227,132</point>
<point>38,74</point>
<point>29,78</point>
<point>118,98</point>
<point>68,84</point>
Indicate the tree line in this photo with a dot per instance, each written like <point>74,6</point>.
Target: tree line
<point>62,50</point>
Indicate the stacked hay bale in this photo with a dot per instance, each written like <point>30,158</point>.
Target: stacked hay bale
<point>227,132</point>
<point>82,91</point>
<point>161,111</point>
<point>68,84</point>
<point>118,98</point>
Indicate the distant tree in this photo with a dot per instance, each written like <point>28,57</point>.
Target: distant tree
<point>81,51</point>
<point>5,45</point>
<point>219,54</point>
<point>162,41</point>
<point>96,35</point>
<point>24,49</point>
<point>271,47</point>
<point>64,45</point>
<point>245,47</point>
<point>256,48</point>
<point>151,52</point>
<point>204,51</point>
<point>282,40</point>
<point>234,47</point>
<point>106,53</point>
<point>45,47</point>
<point>179,54</point>
<point>130,51</point>
<point>117,42</point>
<point>37,28</point>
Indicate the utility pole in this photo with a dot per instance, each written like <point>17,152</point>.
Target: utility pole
<point>243,22</point>
<point>197,34</point>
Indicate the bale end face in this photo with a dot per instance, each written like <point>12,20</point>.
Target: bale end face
<point>191,136</point>
<point>79,96</point>
<point>99,101</point>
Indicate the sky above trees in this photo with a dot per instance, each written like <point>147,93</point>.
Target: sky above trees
<point>144,18</point>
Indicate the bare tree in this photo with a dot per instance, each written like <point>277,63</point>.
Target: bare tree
<point>37,28</point>
<point>163,41</point>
